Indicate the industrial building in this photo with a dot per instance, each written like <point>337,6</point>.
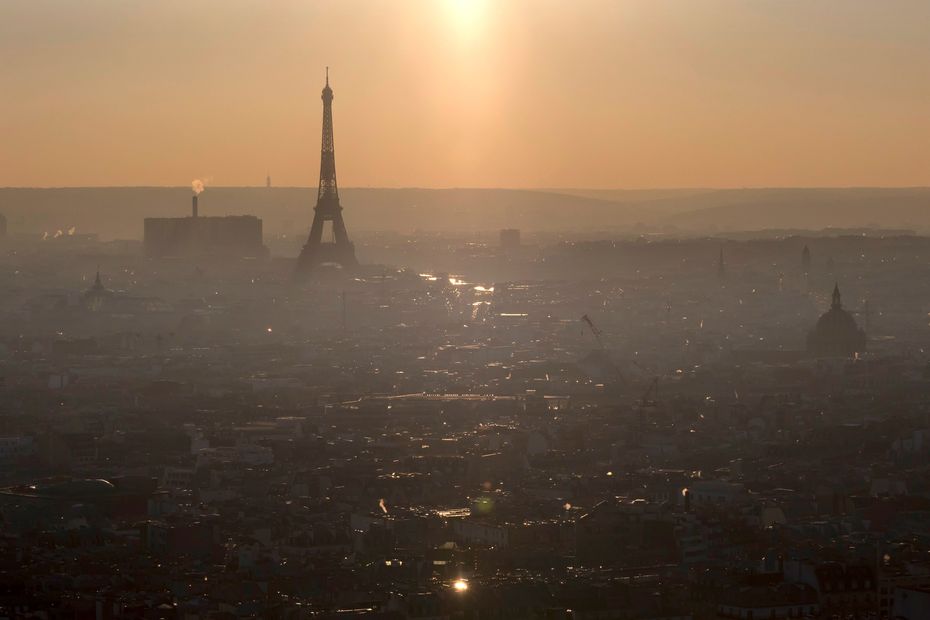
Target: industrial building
<point>232,236</point>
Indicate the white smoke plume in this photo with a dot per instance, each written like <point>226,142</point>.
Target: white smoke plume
<point>197,186</point>
<point>58,233</point>
<point>72,230</point>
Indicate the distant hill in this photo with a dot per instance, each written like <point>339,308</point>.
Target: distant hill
<point>657,200</point>
<point>745,209</point>
<point>118,212</point>
<point>709,210</point>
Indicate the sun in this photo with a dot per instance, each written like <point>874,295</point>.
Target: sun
<point>466,12</point>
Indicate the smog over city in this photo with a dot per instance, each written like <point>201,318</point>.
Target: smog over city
<point>465,309</point>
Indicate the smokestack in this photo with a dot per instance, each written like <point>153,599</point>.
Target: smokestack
<point>197,187</point>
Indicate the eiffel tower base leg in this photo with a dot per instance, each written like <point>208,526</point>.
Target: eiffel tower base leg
<point>312,258</point>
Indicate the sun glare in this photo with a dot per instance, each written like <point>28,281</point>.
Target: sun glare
<point>466,13</point>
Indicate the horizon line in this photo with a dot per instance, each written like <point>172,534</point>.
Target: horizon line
<point>482,188</point>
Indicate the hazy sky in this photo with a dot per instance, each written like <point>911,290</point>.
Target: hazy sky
<point>467,93</point>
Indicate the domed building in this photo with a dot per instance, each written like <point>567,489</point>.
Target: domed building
<point>836,333</point>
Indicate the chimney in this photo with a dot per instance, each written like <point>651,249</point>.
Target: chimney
<point>194,206</point>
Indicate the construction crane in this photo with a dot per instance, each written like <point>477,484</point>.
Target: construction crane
<point>651,395</point>
<point>651,390</point>
<point>594,330</point>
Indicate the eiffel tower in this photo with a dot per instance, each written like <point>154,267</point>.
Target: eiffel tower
<point>337,249</point>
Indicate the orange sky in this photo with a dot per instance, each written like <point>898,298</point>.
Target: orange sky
<point>467,93</point>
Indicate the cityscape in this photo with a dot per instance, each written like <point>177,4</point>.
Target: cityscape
<point>238,399</point>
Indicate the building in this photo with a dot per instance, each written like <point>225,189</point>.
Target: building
<point>237,236</point>
<point>97,295</point>
<point>785,600</point>
<point>842,589</point>
<point>836,333</point>
<point>717,493</point>
<point>510,238</point>
<point>16,447</point>
<point>98,298</point>
<point>911,603</point>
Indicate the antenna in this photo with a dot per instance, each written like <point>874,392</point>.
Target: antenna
<point>327,76</point>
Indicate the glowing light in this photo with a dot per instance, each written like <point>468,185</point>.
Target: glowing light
<point>459,585</point>
<point>466,11</point>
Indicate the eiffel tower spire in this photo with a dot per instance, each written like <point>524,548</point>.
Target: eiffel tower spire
<point>338,249</point>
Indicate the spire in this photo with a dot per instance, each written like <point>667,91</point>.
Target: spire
<point>327,77</point>
<point>97,290</point>
<point>836,296</point>
<point>98,283</point>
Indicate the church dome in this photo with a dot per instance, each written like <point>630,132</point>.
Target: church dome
<point>836,333</point>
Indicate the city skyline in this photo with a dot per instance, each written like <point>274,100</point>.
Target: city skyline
<point>617,309</point>
<point>468,93</point>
